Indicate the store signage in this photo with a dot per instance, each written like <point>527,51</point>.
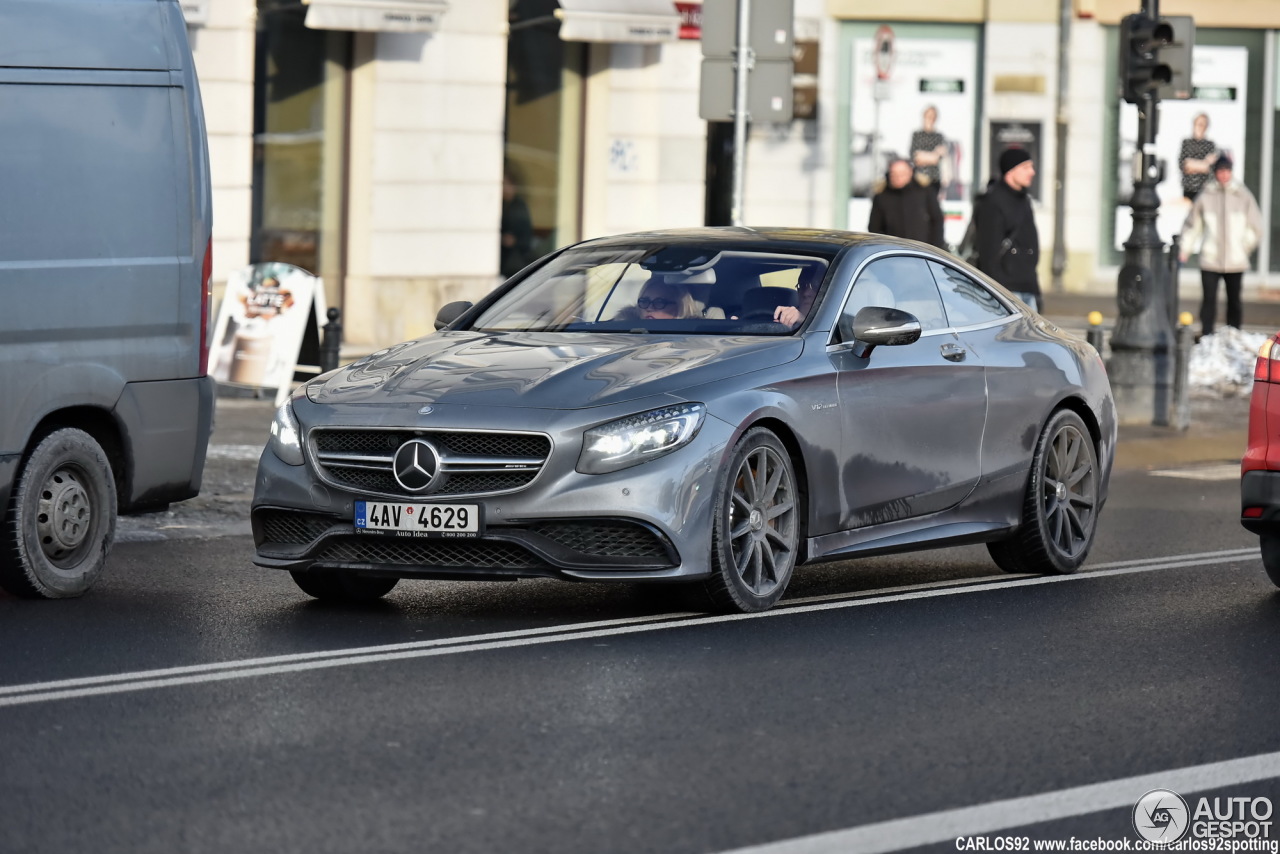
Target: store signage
<point>196,12</point>
<point>690,20</point>
<point>395,16</point>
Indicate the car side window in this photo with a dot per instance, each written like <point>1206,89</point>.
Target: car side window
<point>967,302</point>
<point>898,281</point>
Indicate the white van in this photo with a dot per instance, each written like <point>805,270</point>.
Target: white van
<point>105,405</point>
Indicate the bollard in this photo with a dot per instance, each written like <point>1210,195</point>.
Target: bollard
<point>1171,292</point>
<point>332,342</point>
<point>1181,414</point>
<point>1094,335</point>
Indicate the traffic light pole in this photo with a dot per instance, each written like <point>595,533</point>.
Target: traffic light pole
<point>1142,351</point>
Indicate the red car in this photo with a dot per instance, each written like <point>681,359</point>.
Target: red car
<point>1260,468</point>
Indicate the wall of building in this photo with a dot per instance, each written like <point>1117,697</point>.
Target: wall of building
<point>790,178</point>
<point>644,145</point>
<point>224,55</point>
<point>426,140</point>
<point>426,172</point>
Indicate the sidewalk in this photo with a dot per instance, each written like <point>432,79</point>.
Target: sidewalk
<point>1070,310</point>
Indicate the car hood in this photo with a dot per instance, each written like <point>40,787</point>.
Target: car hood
<point>543,370</point>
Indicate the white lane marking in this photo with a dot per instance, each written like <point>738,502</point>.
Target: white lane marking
<point>1253,550</point>
<point>36,692</point>
<point>248,453</point>
<point>131,532</point>
<point>948,825</point>
<point>1221,471</point>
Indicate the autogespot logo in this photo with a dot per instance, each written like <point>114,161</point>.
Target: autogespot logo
<point>1161,816</point>
<point>415,465</point>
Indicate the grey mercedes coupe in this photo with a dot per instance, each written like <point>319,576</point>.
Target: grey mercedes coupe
<point>712,406</point>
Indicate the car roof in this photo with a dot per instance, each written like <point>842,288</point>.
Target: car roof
<point>823,242</point>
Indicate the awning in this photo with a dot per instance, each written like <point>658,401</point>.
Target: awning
<point>397,16</point>
<point>636,21</point>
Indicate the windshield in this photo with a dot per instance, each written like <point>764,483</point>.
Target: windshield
<point>677,288</point>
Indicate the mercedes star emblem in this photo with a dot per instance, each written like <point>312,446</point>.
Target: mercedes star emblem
<point>416,464</point>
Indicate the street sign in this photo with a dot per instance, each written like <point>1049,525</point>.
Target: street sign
<point>770,90</point>
<point>884,52</point>
<point>770,77</point>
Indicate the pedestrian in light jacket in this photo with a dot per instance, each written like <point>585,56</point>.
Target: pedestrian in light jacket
<point>1226,224</point>
<point>1008,242</point>
<point>907,208</point>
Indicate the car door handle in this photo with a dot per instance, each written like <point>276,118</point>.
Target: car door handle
<point>954,352</point>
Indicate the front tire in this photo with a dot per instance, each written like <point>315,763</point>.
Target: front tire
<point>756,527</point>
<point>61,519</point>
<point>333,586</point>
<point>1060,507</point>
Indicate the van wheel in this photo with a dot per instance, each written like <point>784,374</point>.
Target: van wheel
<point>61,519</point>
<point>343,586</point>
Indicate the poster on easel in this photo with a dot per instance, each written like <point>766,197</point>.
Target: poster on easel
<point>261,325</point>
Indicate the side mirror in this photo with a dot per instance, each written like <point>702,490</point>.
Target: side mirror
<point>876,326</point>
<point>451,312</point>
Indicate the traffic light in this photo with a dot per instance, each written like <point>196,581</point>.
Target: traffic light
<point>1155,56</point>
<point>1177,55</point>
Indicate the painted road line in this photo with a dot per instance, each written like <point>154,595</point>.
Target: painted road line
<point>66,689</point>
<point>997,816</point>
<point>1217,471</point>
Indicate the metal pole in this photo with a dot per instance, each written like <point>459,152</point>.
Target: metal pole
<point>744,59</point>
<point>1142,341</point>
<point>1060,164</point>
<point>331,346</point>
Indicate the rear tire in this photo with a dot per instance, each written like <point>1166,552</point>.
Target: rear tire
<point>61,519</point>
<point>1060,507</point>
<point>331,586</point>
<point>755,531</point>
<point>1271,558</point>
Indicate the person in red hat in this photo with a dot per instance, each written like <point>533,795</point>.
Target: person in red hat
<point>1008,242</point>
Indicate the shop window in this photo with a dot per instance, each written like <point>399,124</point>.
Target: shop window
<point>299,142</point>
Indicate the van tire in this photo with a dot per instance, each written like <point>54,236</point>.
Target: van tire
<point>61,519</point>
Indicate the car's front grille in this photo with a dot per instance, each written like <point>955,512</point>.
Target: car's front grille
<point>471,462</point>
<point>428,554</point>
<point>567,543</point>
<point>604,538</point>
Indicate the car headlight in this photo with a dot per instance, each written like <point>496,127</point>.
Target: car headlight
<point>639,438</point>
<point>286,438</point>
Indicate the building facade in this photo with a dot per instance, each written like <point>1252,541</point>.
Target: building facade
<point>368,140</point>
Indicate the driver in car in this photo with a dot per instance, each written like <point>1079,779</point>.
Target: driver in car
<point>806,290</point>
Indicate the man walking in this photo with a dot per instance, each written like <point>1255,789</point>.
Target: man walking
<point>907,208</point>
<point>1008,243</point>
<point>1227,217</point>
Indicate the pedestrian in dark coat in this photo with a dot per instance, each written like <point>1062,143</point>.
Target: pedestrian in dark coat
<point>1008,243</point>
<point>907,208</point>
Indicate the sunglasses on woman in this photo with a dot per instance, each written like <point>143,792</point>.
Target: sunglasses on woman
<point>657,304</point>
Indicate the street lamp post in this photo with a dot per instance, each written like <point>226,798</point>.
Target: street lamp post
<point>1141,367</point>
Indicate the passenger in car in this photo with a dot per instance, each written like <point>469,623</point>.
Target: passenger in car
<point>661,300</point>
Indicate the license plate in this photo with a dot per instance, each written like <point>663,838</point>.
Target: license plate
<point>418,520</point>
